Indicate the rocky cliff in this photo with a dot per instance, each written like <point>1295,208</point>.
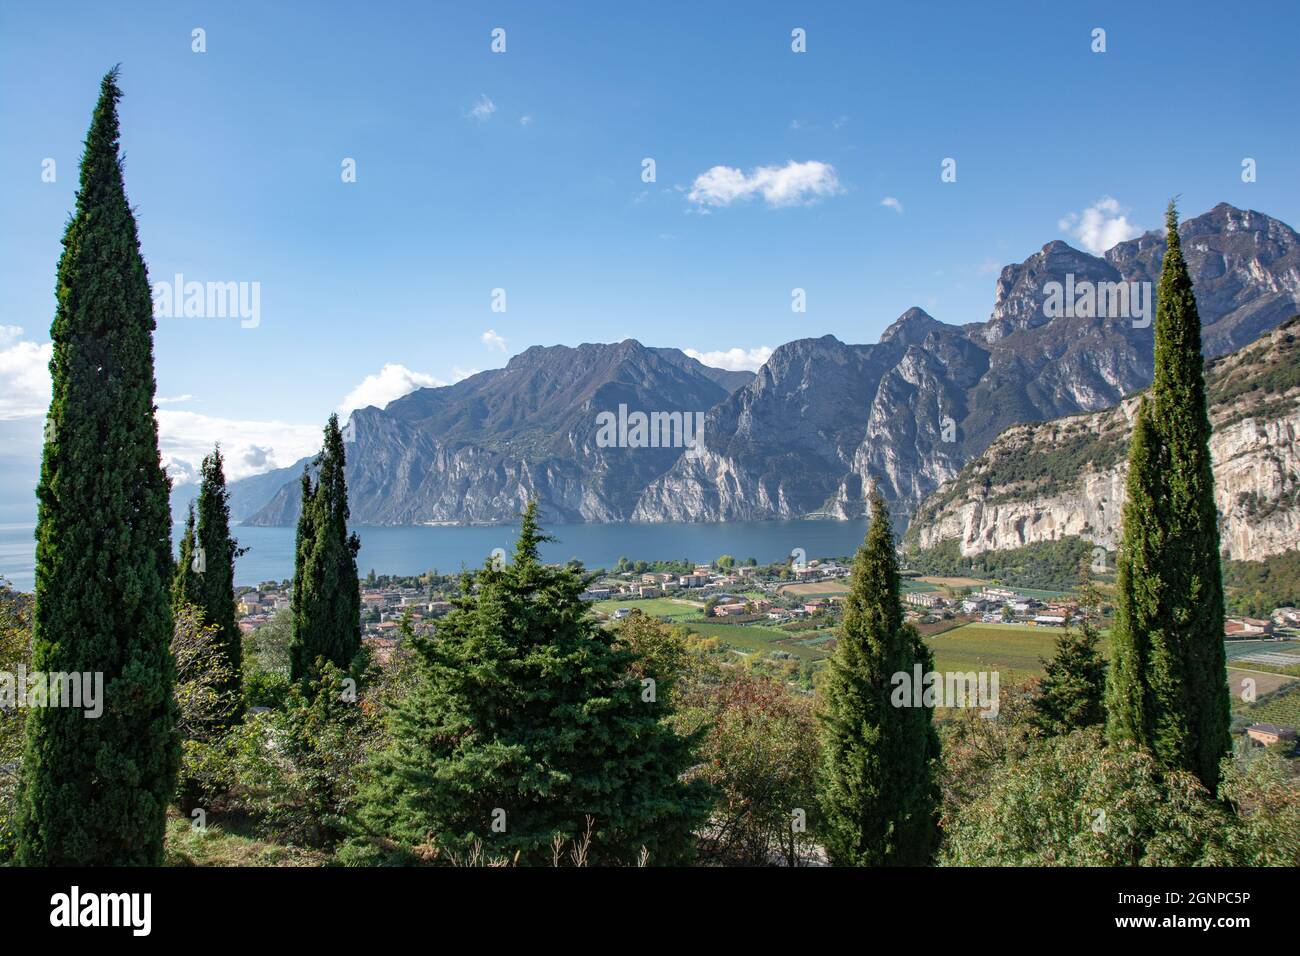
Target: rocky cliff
<point>1040,482</point>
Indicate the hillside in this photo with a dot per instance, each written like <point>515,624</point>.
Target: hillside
<point>1050,480</point>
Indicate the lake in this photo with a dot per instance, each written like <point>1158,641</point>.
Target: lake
<point>413,550</point>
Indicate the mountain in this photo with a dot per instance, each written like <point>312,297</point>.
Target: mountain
<point>477,451</point>
<point>1044,481</point>
<point>822,418</point>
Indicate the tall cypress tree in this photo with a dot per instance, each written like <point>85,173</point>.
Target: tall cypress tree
<point>1168,677</point>
<point>209,583</point>
<point>326,590</point>
<point>878,794</point>
<point>95,790</point>
<point>528,717</point>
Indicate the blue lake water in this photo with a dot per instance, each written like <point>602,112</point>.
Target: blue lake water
<point>413,550</point>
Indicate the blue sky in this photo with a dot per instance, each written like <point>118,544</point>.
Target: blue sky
<point>233,161</point>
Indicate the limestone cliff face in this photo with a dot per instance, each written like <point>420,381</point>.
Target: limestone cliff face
<point>1066,477</point>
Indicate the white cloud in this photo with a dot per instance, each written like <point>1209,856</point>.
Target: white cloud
<point>1100,226</point>
<point>788,185</point>
<point>892,203</point>
<point>525,121</point>
<point>390,382</point>
<point>482,109</point>
<point>174,399</point>
<point>249,447</point>
<point>24,375</point>
<point>460,374</point>
<point>734,359</point>
<point>494,341</point>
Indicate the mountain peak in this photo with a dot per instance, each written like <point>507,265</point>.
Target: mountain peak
<point>911,327</point>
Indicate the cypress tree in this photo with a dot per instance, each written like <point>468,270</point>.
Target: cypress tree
<point>878,794</point>
<point>326,590</point>
<point>209,582</point>
<point>1167,687</point>
<point>528,717</point>
<point>95,790</point>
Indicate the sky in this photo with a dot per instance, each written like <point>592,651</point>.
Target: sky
<point>501,198</point>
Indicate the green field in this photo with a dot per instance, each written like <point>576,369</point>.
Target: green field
<point>1015,650</point>
<point>678,610</point>
<point>760,638</point>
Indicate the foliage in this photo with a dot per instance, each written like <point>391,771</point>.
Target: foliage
<point>208,584</point>
<point>526,719</point>
<point>760,754</point>
<point>1255,588</point>
<point>1072,693</point>
<point>1074,801</point>
<point>15,651</point>
<point>296,767</point>
<point>878,797</point>
<point>207,700</point>
<point>95,791</point>
<point>1262,788</point>
<point>326,590</point>
<point>1168,665</point>
<point>266,661</point>
<point>1046,565</point>
<point>975,745</point>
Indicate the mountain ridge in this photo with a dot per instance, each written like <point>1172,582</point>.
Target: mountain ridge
<point>820,420</point>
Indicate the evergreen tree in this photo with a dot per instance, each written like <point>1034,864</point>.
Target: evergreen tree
<point>205,574</point>
<point>326,589</point>
<point>878,794</point>
<point>528,718</point>
<point>95,790</point>
<point>1071,695</point>
<point>1168,668</point>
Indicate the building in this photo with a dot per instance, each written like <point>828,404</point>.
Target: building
<point>622,613</point>
<point>1286,616</point>
<point>1049,620</point>
<point>1268,734</point>
<point>693,580</point>
<point>923,598</point>
<point>1239,627</point>
<point>729,610</point>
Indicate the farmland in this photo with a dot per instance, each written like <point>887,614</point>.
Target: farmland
<point>1013,649</point>
<point>675,608</point>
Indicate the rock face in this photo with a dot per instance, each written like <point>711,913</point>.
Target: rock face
<point>479,450</point>
<point>1045,481</point>
<point>821,420</point>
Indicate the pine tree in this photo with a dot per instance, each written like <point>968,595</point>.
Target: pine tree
<point>1072,693</point>
<point>528,718</point>
<point>95,790</point>
<point>326,589</point>
<point>205,573</point>
<point>1168,669</point>
<point>878,794</point>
